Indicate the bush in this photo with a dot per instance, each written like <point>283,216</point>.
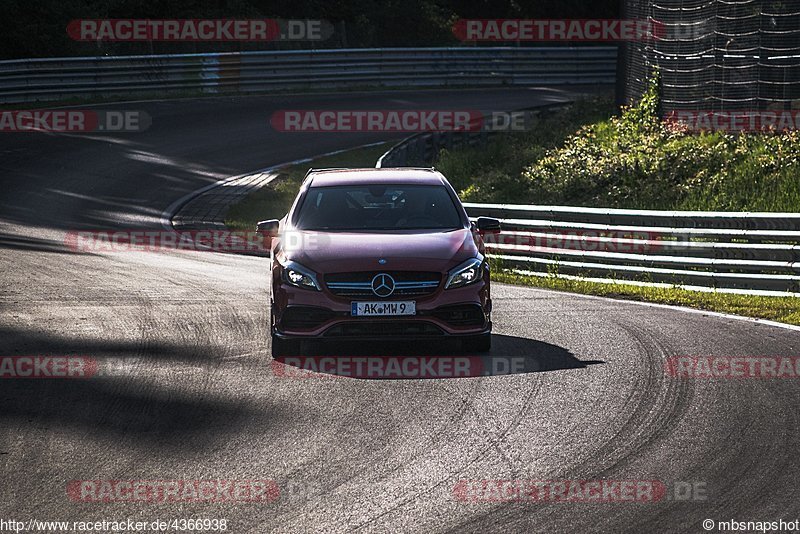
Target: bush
<point>631,161</point>
<point>495,173</point>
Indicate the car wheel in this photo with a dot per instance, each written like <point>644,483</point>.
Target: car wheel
<point>284,347</point>
<point>479,343</point>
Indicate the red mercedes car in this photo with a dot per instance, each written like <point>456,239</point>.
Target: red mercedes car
<point>378,254</point>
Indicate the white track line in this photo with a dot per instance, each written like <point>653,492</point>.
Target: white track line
<point>668,307</point>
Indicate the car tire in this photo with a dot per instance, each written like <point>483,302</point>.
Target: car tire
<point>284,347</point>
<point>479,343</point>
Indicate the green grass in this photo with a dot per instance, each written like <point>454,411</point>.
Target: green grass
<point>587,157</point>
<point>274,200</point>
<point>780,309</point>
<point>495,173</point>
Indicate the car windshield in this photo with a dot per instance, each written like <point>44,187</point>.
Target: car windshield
<point>378,207</point>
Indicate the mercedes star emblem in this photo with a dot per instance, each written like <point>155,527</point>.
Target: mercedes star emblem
<point>383,285</point>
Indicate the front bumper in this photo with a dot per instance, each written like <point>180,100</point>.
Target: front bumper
<point>376,337</point>
<point>305,314</point>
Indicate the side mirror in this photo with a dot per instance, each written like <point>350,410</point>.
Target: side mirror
<point>488,225</point>
<point>269,227</point>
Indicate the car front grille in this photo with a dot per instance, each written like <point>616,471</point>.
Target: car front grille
<point>407,284</point>
<point>384,329</point>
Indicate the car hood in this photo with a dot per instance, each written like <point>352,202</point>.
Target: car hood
<point>330,252</point>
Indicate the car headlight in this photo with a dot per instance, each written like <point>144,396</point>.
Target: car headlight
<point>465,274</point>
<point>296,275</point>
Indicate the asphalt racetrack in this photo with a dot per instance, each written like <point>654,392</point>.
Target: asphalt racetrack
<point>188,390</point>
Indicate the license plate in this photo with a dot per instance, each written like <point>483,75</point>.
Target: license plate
<point>377,309</point>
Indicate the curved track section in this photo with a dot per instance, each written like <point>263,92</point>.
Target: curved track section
<point>188,391</point>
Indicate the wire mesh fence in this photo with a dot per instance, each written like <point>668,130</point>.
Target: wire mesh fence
<point>718,55</point>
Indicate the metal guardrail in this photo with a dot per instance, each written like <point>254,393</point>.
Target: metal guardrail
<point>29,80</point>
<point>737,252</point>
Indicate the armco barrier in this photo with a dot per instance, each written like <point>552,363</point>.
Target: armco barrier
<point>742,252</point>
<point>29,80</point>
<point>736,252</point>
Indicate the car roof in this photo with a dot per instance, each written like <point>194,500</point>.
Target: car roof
<point>404,175</point>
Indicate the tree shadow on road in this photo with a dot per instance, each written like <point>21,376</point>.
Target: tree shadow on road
<point>17,242</point>
<point>142,392</point>
<point>427,360</point>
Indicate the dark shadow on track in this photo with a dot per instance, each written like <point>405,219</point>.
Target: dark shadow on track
<point>136,395</point>
<point>19,342</point>
<point>18,242</point>
<point>427,360</point>
<point>137,411</point>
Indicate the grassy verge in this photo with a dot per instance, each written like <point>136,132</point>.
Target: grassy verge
<point>494,173</point>
<point>587,157</point>
<point>274,200</point>
<point>781,309</point>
